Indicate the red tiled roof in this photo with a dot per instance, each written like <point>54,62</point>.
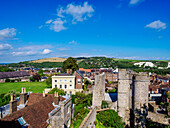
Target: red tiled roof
<point>35,113</point>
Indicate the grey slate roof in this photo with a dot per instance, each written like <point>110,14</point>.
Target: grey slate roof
<point>14,74</point>
<point>80,73</point>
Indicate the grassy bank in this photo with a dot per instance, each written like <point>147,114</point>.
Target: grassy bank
<point>35,87</point>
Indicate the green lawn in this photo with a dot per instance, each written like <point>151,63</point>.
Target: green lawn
<point>35,87</point>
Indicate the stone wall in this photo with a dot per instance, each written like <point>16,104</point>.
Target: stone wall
<point>133,97</point>
<point>124,94</point>
<point>99,90</point>
<point>160,118</point>
<point>89,120</point>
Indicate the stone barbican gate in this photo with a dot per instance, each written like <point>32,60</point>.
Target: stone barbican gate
<point>133,97</point>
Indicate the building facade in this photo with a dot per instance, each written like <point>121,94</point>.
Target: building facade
<point>66,82</point>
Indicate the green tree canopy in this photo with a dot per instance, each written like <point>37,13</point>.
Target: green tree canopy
<point>110,118</point>
<point>70,63</point>
<point>49,81</point>
<point>60,91</point>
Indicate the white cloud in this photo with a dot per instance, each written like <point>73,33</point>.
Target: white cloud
<point>29,50</point>
<point>5,46</point>
<point>34,47</point>
<point>57,25</point>
<point>70,14</point>
<point>27,53</point>
<point>7,33</point>
<point>78,12</point>
<point>72,42</point>
<point>46,51</point>
<point>135,1</point>
<point>157,25</point>
<point>49,21</point>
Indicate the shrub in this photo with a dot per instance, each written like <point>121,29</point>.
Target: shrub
<point>60,91</point>
<point>12,80</point>
<point>32,79</point>
<point>7,80</point>
<point>110,118</point>
<point>111,91</point>
<point>49,81</point>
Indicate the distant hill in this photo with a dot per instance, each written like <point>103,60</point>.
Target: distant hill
<point>48,60</point>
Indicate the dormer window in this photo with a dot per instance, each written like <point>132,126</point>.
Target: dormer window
<point>22,122</point>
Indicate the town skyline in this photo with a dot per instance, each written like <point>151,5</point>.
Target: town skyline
<point>125,29</point>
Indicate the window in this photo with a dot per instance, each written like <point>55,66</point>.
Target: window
<point>55,80</point>
<point>60,80</point>
<point>70,92</point>
<point>70,85</point>
<point>60,86</point>
<point>65,80</point>
<point>56,86</point>
<point>79,81</point>
<point>70,80</point>
<point>22,121</point>
<point>65,86</point>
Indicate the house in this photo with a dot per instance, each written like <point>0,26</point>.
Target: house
<point>69,83</point>
<point>79,80</point>
<point>39,111</point>
<point>22,75</point>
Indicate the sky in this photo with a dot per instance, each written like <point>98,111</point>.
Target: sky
<point>127,29</point>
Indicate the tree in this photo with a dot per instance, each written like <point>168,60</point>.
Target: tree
<point>70,63</point>
<point>110,118</point>
<point>40,72</point>
<point>49,81</point>
<point>32,79</point>
<point>37,77</point>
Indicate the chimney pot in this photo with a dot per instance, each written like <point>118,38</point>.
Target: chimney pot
<point>56,94</point>
<point>22,90</point>
<point>12,97</point>
<point>25,90</point>
<point>43,93</point>
<point>12,104</point>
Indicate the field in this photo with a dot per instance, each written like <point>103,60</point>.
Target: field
<point>49,60</point>
<point>35,87</point>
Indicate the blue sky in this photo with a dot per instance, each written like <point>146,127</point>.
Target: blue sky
<point>131,29</point>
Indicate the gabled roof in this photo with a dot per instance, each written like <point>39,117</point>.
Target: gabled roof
<point>35,113</point>
<point>78,72</point>
<point>14,74</point>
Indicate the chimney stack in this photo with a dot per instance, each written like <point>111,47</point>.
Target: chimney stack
<point>23,96</point>
<point>43,93</point>
<point>12,104</point>
<point>69,71</point>
<point>56,98</point>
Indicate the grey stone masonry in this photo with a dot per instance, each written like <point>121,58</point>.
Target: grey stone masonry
<point>124,94</point>
<point>133,97</point>
<point>99,90</point>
